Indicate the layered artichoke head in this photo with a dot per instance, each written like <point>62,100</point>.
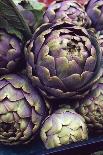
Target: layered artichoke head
<point>21,110</point>
<point>63,60</point>
<point>63,127</point>
<point>11,53</point>
<point>69,11</point>
<point>92,108</point>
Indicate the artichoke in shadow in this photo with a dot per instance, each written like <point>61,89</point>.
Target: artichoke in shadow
<point>63,127</point>
<point>11,53</point>
<point>70,11</point>
<point>91,108</point>
<point>28,15</point>
<point>63,60</point>
<point>32,12</point>
<point>94,10</point>
<point>100,40</point>
<point>21,110</point>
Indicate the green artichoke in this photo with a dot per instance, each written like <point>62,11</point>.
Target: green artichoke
<point>63,127</point>
<point>11,53</point>
<point>91,108</point>
<point>63,60</point>
<point>69,11</point>
<point>21,110</point>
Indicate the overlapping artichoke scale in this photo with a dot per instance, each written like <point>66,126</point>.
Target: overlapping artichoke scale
<point>55,71</point>
<point>21,110</point>
<point>63,127</point>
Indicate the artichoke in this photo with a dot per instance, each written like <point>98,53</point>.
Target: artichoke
<point>27,15</point>
<point>100,40</point>
<point>69,11</point>
<point>11,53</point>
<point>63,60</point>
<point>21,110</point>
<point>92,108</point>
<point>31,11</point>
<point>63,127</point>
<point>95,12</point>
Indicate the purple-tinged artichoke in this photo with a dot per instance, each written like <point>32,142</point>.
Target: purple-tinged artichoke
<point>11,53</point>
<point>92,108</point>
<point>69,11</point>
<point>95,12</point>
<point>63,127</point>
<point>32,12</point>
<point>27,15</point>
<point>63,60</point>
<point>21,110</point>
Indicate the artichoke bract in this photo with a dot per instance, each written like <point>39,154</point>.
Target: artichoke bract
<point>95,12</point>
<point>63,60</point>
<point>92,108</point>
<point>21,110</point>
<point>63,127</point>
<point>11,53</point>
<point>69,11</point>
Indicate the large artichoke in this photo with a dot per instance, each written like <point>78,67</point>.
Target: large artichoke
<point>95,12</point>
<point>21,110</point>
<point>63,60</point>
<point>63,127</point>
<point>69,11</point>
<point>11,53</point>
<point>92,108</point>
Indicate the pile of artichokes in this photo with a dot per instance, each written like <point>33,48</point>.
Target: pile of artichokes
<point>51,76</point>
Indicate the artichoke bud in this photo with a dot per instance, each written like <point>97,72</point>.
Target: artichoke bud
<point>69,11</point>
<point>27,15</point>
<point>32,12</point>
<point>95,12</point>
<point>91,108</point>
<point>21,110</point>
<point>11,53</point>
<point>63,60</point>
<point>63,127</point>
<point>100,40</point>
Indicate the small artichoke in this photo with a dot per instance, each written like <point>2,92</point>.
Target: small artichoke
<point>95,12</point>
<point>11,53</point>
<point>31,11</point>
<point>92,108</point>
<point>63,127</point>
<point>63,60</point>
<point>27,15</point>
<point>21,110</point>
<point>69,11</point>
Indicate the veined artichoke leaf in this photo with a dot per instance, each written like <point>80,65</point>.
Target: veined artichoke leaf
<point>12,21</point>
